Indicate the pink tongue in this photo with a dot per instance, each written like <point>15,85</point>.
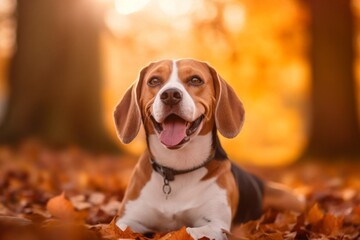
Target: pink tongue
<point>174,131</point>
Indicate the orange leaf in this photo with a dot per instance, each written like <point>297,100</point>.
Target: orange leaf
<point>245,230</point>
<point>330,225</point>
<point>62,208</point>
<point>231,236</point>
<point>270,236</point>
<point>15,221</point>
<point>111,231</point>
<point>357,210</point>
<point>314,215</point>
<point>177,235</point>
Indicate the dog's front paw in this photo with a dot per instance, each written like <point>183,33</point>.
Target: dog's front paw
<point>134,226</point>
<point>210,232</point>
<point>122,226</point>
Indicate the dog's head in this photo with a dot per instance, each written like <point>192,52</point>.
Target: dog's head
<point>177,101</point>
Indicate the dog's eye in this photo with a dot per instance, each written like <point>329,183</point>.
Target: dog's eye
<point>154,81</point>
<point>196,81</point>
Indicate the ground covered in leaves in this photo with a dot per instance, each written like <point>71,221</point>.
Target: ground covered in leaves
<point>71,194</point>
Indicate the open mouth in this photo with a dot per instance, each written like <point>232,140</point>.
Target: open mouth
<point>175,131</point>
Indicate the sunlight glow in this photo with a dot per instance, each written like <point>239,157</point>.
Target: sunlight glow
<point>104,2</point>
<point>175,7</point>
<point>7,6</point>
<point>130,6</point>
<point>119,24</point>
<point>234,17</point>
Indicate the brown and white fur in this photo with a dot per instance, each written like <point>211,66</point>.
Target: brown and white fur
<point>169,97</point>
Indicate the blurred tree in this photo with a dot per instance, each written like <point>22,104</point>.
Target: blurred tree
<point>334,128</point>
<point>54,79</point>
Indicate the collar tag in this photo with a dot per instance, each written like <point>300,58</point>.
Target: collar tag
<point>166,187</point>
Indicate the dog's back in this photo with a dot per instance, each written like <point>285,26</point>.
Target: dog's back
<point>251,190</point>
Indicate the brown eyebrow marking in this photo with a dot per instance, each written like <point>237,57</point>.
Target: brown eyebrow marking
<point>186,72</point>
<point>160,69</point>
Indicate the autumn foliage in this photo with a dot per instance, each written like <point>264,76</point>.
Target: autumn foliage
<point>71,194</point>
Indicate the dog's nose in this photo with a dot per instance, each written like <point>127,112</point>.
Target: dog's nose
<point>171,96</point>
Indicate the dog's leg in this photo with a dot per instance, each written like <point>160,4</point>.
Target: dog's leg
<point>281,197</point>
<point>134,225</point>
<point>135,217</point>
<point>210,231</point>
<point>216,216</point>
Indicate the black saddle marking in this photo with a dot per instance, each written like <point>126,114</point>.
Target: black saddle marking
<point>251,190</point>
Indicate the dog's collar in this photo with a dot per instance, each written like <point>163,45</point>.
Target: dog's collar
<point>169,173</point>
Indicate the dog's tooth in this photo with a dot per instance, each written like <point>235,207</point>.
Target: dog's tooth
<point>190,131</point>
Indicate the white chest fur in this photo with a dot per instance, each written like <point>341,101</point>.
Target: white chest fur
<point>192,202</point>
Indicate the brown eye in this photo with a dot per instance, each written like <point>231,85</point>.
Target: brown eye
<point>196,81</point>
<point>154,81</point>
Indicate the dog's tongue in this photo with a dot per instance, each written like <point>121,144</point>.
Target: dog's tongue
<point>174,131</point>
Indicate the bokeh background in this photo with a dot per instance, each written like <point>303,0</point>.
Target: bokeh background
<point>64,64</point>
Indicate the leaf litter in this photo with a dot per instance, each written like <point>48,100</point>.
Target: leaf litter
<point>72,194</point>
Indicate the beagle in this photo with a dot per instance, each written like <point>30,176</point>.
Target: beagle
<point>185,178</point>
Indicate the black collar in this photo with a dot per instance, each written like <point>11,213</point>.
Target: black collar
<point>170,173</point>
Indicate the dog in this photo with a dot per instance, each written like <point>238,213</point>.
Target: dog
<point>185,178</point>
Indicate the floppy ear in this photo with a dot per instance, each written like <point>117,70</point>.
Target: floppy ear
<point>229,110</point>
<point>127,113</point>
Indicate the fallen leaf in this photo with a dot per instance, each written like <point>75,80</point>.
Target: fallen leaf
<point>77,198</point>
<point>245,230</point>
<point>357,210</point>
<point>62,208</point>
<point>111,231</point>
<point>178,235</point>
<point>302,234</point>
<point>314,215</point>
<point>11,220</point>
<point>81,205</point>
<point>108,230</point>
<point>4,210</point>
<point>231,236</point>
<point>270,236</point>
<point>96,198</point>
<point>69,230</point>
<point>111,207</point>
<point>96,216</point>
<point>285,220</point>
<point>330,225</point>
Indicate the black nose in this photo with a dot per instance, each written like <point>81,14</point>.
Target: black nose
<point>171,96</point>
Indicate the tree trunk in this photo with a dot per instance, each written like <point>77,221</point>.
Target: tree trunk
<point>334,130</point>
<point>55,85</point>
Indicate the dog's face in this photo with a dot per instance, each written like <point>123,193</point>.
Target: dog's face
<point>177,101</point>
